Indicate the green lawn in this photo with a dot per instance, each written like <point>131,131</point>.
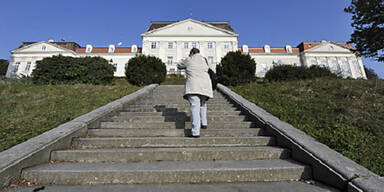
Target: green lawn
<point>346,115</point>
<point>27,110</point>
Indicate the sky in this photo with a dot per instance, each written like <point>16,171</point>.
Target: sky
<point>104,22</point>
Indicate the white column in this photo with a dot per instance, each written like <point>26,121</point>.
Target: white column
<point>351,68</point>
<point>318,60</point>
<point>360,62</point>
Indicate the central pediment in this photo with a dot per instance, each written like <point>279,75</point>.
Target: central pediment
<point>189,27</point>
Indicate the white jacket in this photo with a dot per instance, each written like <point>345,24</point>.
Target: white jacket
<point>198,80</point>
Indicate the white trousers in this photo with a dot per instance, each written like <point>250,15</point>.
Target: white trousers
<point>198,112</point>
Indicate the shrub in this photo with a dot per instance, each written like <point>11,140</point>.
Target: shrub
<point>144,70</point>
<point>69,70</point>
<point>370,73</point>
<point>289,72</point>
<point>99,71</point>
<point>3,67</point>
<point>236,68</point>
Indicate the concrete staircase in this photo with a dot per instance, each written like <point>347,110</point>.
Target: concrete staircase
<point>146,143</point>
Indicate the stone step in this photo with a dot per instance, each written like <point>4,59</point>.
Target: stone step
<point>178,118</point>
<point>164,94</point>
<point>173,132</point>
<point>170,154</point>
<point>158,102</point>
<point>178,109</point>
<point>174,110</point>
<point>185,102</point>
<point>179,100</point>
<point>179,113</point>
<point>177,95</point>
<point>167,172</point>
<point>286,186</point>
<point>176,125</point>
<point>165,142</point>
<point>183,105</point>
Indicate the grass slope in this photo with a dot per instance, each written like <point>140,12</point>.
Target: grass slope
<point>174,79</point>
<point>28,110</point>
<point>346,115</point>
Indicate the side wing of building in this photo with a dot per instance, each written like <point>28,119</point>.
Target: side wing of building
<point>24,58</point>
<point>340,58</point>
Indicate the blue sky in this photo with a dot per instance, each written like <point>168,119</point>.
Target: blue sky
<point>104,22</point>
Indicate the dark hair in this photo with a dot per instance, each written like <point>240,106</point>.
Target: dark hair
<point>194,51</point>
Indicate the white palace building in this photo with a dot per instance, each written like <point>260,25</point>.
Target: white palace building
<point>172,40</point>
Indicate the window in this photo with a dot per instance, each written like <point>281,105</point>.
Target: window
<point>334,66</point>
<point>28,66</point>
<point>324,63</point>
<point>185,45</point>
<point>194,44</point>
<point>115,67</point>
<point>172,70</point>
<point>134,49</point>
<point>226,45</point>
<point>210,59</point>
<point>44,48</point>
<point>170,60</point>
<point>170,45</point>
<point>288,48</point>
<point>126,65</point>
<point>313,62</point>
<point>153,45</point>
<point>331,48</point>
<point>210,45</point>
<point>89,49</point>
<point>17,64</point>
<point>267,48</point>
<point>111,50</point>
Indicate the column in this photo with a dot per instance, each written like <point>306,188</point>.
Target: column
<point>351,68</point>
<point>360,62</point>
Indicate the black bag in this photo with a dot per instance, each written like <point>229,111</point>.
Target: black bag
<point>213,76</point>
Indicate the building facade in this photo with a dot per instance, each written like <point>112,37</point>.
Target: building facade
<point>172,41</point>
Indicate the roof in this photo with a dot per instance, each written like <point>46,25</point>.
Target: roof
<point>309,45</point>
<point>105,50</point>
<point>68,45</point>
<point>301,47</point>
<point>219,24</point>
<point>273,50</point>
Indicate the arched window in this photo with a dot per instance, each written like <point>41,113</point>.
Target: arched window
<point>267,48</point>
<point>245,48</point>
<point>134,49</point>
<point>88,49</point>
<point>111,49</point>
<point>288,49</point>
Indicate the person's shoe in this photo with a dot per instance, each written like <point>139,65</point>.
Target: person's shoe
<point>204,127</point>
<point>194,136</point>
